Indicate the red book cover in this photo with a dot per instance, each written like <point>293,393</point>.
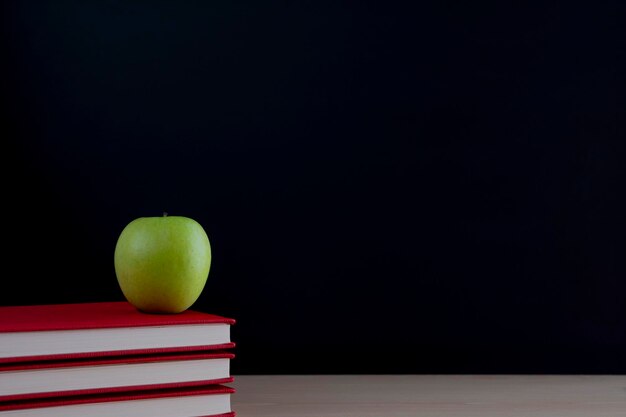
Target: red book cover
<point>56,331</point>
<point>205,401</point>
<point>27,380</point>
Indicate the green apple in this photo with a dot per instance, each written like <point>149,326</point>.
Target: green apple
<point>162,263</point>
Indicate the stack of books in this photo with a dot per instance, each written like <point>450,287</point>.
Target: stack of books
<point>109,359</point>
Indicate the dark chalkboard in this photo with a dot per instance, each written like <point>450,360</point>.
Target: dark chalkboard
<point>388,187</point>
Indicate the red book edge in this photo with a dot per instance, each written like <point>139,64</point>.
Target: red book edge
<point>112,390</point>
<point>96,315</point>
<point>116,396</point>
<point>128,352</point>
<point>114,360</point>
<point>77,363</point>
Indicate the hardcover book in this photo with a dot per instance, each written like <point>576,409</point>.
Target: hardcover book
<point>63,331</point>
<point>201,401</point>
<point>26,380</point>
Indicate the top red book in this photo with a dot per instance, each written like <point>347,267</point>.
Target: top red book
<point>57,331</point>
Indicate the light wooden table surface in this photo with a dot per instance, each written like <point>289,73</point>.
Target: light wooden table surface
<point>429,395</point>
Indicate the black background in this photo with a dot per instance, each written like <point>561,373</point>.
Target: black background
<point>387,188</point>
